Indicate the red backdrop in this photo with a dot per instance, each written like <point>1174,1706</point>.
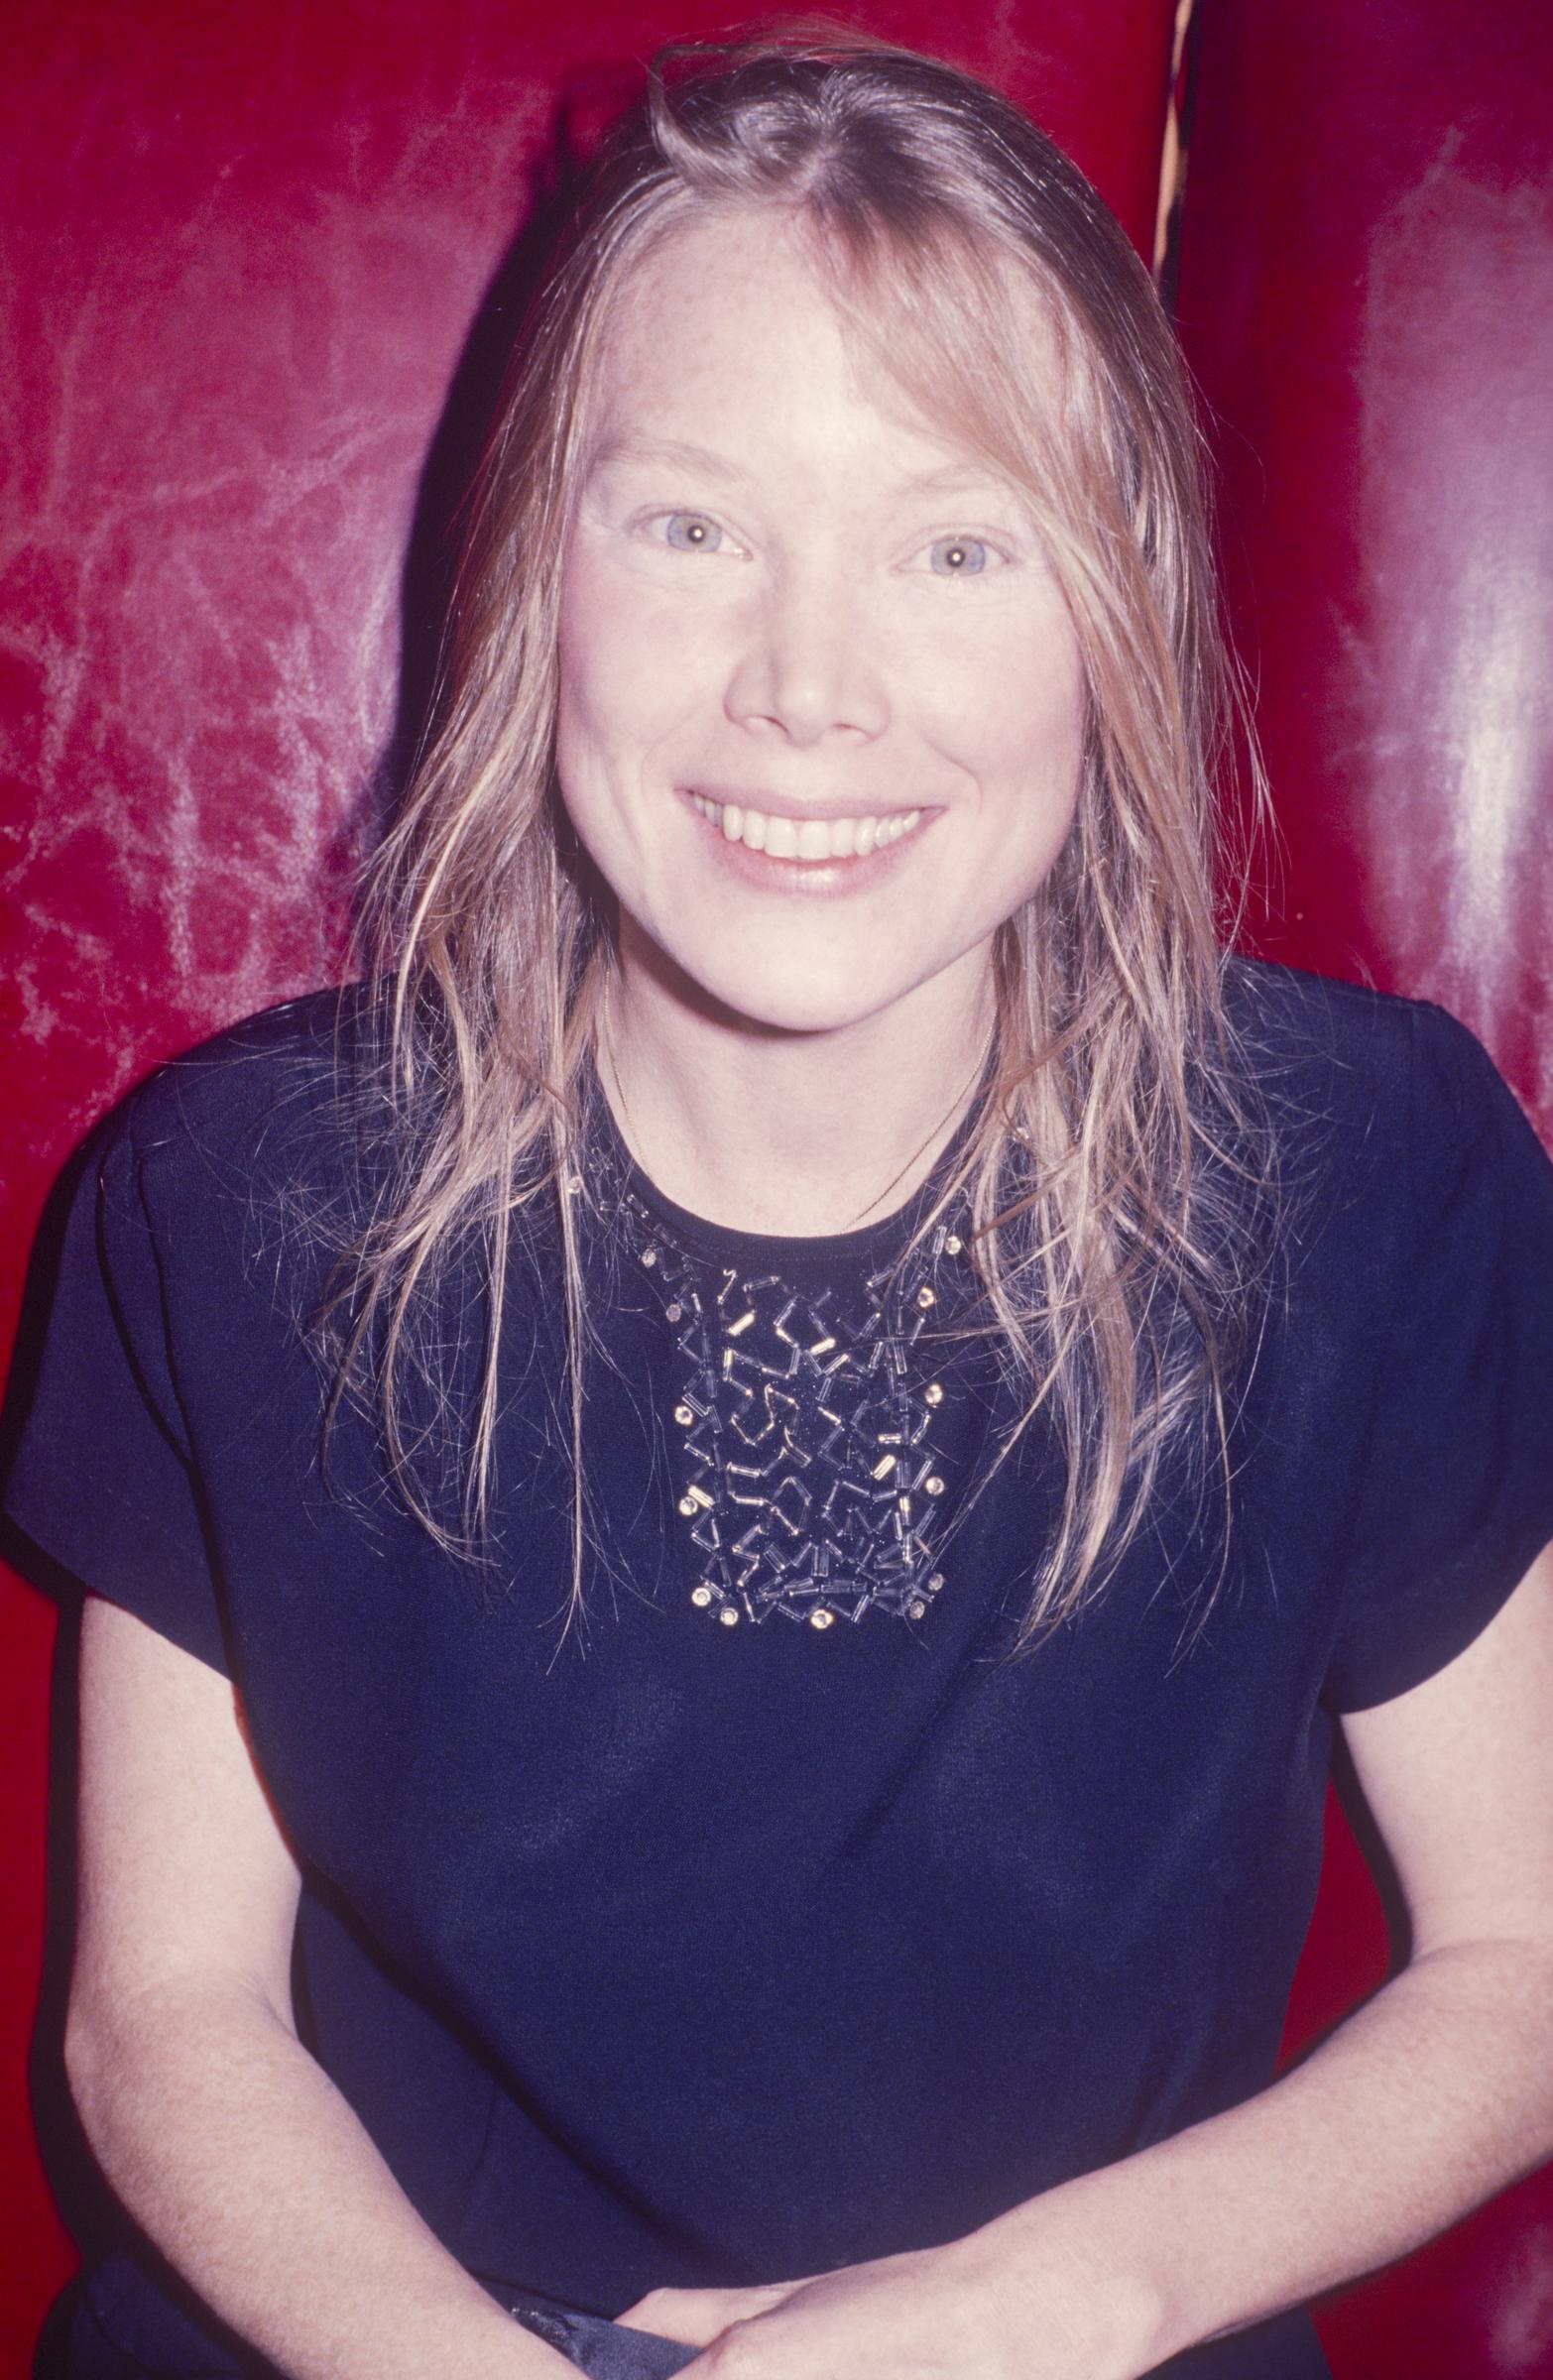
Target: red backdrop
<point>252,242</point>
<point>1366,292</point>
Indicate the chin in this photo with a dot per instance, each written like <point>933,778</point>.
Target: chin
<point>795,1004</point>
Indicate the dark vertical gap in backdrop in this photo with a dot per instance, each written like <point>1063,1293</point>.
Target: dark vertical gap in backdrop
<point>1177,147</point>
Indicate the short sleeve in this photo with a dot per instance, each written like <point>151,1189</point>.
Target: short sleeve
<point>1457,1489</point>
<point>102,1479</point>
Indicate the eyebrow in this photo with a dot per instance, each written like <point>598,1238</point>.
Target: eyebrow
<point>949,478</point>
<point>622,448</point>
<point>946,479</point>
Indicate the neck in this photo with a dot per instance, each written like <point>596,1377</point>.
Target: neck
<point>794,1133</point>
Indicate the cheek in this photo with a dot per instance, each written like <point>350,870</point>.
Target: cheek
<point>1042,724</point>
<point>631,666</point>
<point>605,675</point>
<point>1007,700</point>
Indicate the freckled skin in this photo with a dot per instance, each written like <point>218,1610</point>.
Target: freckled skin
<point>805,610</point>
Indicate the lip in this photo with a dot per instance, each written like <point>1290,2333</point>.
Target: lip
<point>816,877</point>
<point>748,797</point>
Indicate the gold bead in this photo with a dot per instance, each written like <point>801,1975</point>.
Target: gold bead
<point>934,1483</point>
<point>915,1610</point>
<point>729,1616</point>
<point>953,1244</point>
<point>925,1297</point>
<point>687,1507</point>
<point>934,1392</point>
<point>700,1596</point>
<point>675,1311</point>
<point>685,1417</point>
<point>650,1257</point>
<point>936,1582</point>
<point>821,1618</point>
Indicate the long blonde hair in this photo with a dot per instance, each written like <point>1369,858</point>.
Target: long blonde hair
<point>1116,1167</point>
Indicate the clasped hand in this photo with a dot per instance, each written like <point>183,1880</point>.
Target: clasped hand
<point>954,2313</point>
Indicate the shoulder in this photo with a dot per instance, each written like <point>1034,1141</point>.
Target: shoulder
<point>1357,1064</point>
<point>1305,1036</point>
<point>1388,1116</point>
<point>256,1156</point>
<point>284,1101</point>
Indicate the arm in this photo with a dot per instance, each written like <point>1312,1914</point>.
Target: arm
<point>219,2132</point>
<point>1439,2090</point>
<point>1431,2096</point>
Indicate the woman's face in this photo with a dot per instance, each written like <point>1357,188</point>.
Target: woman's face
<point>821,705</point>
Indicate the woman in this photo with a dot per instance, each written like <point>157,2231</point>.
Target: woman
<point>727,1514</point>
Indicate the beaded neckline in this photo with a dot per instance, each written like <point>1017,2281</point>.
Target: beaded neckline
<point>812,1466</point>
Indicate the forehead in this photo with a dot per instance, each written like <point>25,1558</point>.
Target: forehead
<point>713,294</point>
<point>743,310</point>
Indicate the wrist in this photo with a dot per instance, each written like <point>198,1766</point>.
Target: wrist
<point>1071,2267</point>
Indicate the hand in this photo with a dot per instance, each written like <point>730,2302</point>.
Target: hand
<point>905,2317</point>
<point>956,2313</point>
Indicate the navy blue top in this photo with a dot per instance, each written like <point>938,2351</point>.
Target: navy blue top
<point>672,1952</point>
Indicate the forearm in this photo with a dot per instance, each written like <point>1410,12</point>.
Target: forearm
<point>249,2170</point>
<point>1433,2095</point>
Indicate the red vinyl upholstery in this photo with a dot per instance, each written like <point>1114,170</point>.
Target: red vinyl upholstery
<point>1366,294</point>
<point>249,243</point>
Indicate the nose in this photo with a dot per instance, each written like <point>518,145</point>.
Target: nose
<point>806,667</point>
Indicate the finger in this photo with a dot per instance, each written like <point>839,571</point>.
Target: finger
<point>695,2317</point>
<point>677,2314</point>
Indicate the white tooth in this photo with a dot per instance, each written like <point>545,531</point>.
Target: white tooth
<point>755,830</point>
<point>733,821</point>
<point>782,838</point>
<point>843,837</point>
<point>815,839</point>
<point>868,834</point>
<point>891,829</point>
<point>911,818</point>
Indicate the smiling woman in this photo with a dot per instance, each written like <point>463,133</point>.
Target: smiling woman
<point>735,1505</point>
<point>719,556</point>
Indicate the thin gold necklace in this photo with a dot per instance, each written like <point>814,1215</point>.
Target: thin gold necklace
<point>605,1040</point>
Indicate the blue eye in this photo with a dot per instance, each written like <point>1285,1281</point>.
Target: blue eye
<point>958,557</point>
<point>692,532</point>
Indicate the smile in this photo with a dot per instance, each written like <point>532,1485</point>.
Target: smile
<point>806,838</point>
